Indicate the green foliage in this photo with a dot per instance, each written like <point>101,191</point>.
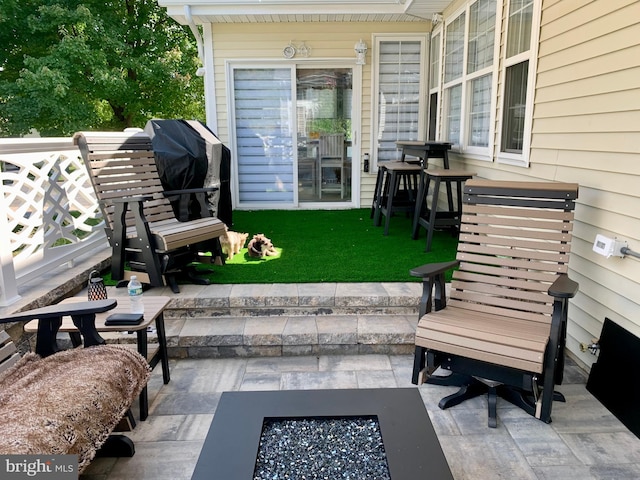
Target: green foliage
<point>68,66</point>
<point>331,125</point>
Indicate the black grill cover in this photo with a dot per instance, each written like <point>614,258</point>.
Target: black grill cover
<point>189,155</point>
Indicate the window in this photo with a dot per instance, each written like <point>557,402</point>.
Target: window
<point>517,84</point>
<point>399,101</point>
<point>434,84</point>
<point>515,98</point>
<point>469,77</point>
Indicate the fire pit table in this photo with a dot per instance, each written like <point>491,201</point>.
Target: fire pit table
<point>253,436</point>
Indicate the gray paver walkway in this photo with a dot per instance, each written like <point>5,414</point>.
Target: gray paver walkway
<point>583,442</point>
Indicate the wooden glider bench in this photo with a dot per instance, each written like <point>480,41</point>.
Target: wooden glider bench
<point>503,329</point>
<point>67,402</point>
<point>140,222</point>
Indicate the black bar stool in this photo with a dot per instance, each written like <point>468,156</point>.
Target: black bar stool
<point>389,194</point>
<point>428,216</point>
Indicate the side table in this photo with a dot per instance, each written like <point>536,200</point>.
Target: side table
<point>153,312</point>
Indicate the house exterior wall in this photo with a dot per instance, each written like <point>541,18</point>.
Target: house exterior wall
<point>265,42</point>
<point>585,128</point>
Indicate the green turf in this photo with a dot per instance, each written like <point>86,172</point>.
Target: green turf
<point>330,246</point>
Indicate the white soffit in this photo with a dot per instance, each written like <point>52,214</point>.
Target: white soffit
<point>272,11</point>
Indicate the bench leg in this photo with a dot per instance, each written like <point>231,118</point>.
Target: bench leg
<point>492,400</point>
<point>117,446</point>
<point>470,390</point>
<point>419,364</point>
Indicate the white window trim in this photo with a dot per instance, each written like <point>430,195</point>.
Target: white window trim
<point>444,86</point>
<point>422,108</point>
<point>437,88</point>
<point>521,159</point>
<point>477,153</point>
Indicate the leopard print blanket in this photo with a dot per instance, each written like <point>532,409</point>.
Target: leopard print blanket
<point>68,403</point>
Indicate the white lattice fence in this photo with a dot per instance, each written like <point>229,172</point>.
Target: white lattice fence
<point>50,213</point>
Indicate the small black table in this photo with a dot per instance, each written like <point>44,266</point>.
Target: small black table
<point>231,447</point>
<point>83,315</point>
<point>425,151</point>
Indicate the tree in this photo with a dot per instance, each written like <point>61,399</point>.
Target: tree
<point>67,65</point>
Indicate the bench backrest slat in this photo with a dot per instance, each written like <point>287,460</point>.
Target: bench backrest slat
<point>121,165</point>
<point>515,239</point>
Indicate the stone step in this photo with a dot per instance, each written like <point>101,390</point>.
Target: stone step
<point>288,319</point>
<point>290,335</point>
<point>294,299</point>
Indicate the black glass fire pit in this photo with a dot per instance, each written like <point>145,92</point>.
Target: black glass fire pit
<point>253,436</point>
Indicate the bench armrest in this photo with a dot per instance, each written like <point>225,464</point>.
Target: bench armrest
<point>431,269</point>
<point>49,319</point>
<point>563,287</point>
<point>432,275</point>
<point>137,199</point>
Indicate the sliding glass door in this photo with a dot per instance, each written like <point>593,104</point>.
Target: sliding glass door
<point>263,135</point>
<point>293,135</point>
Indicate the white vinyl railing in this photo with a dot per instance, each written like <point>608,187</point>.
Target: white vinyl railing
<point>49,215</point>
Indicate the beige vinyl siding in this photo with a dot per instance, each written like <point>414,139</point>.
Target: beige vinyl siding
<point>588,59</point>
<point>264,42</point>
<point>586,129</point>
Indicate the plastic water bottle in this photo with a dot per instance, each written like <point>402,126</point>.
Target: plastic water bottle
<point>134,288</point>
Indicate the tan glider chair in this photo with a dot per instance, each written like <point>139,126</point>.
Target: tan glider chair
<point>140,223</point>
<point>502,330</point>
<point>331,157</point>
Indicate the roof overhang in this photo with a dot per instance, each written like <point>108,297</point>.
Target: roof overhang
<point>272,11</point>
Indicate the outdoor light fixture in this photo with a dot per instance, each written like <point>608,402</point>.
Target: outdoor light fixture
<point>361,51</point>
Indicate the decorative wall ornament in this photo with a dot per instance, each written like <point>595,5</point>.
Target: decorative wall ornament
<point>292,49</point>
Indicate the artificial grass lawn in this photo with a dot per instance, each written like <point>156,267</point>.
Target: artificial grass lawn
<point>330,246</point>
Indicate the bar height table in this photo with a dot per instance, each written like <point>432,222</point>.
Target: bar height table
<point>391,173</point>
<point>425,151</point>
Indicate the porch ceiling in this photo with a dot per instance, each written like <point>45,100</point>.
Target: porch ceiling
<point>273,11</point>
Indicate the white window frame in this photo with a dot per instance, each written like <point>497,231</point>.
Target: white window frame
<point>436,88</point>
<point>479,153</point>
<point>375,72</point>
<point>520,159</point>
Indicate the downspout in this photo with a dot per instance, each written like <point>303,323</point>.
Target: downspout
<point>206,70</point>
<point>196,34</point>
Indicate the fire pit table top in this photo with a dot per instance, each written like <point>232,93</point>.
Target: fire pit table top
<point>412,448</point>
